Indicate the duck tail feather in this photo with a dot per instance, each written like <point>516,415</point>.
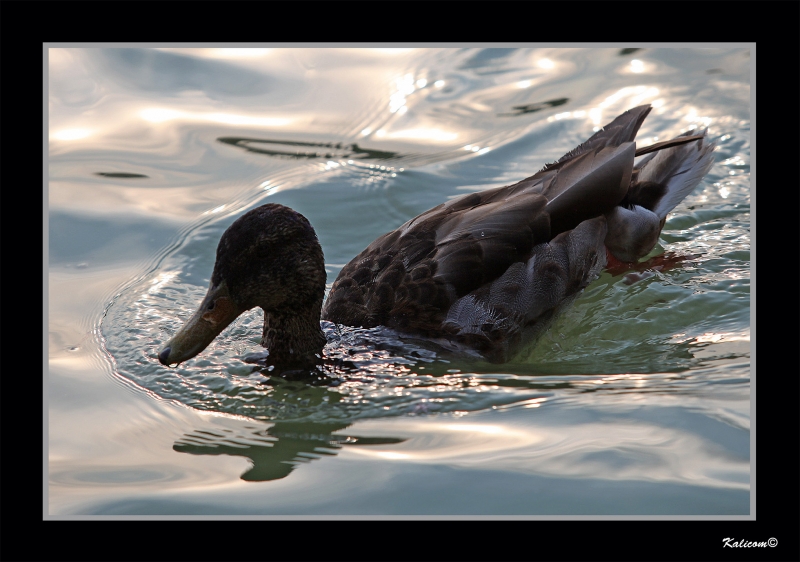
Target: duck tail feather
<point>676,170</point>
<point>666,144</point>
<point>621,130</point>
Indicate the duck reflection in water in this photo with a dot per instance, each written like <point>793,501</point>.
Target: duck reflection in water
<point>277,451</point>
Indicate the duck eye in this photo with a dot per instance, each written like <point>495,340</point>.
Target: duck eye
<point>210,306</point>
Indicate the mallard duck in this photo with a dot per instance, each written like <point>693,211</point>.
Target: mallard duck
<point>484,271</point>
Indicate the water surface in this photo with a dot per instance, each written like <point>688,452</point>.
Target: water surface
<point>636,402</point>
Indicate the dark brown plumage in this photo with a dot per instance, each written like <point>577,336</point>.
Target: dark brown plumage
<point>485,271</point>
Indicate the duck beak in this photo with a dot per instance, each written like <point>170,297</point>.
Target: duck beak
<point>215,313</point>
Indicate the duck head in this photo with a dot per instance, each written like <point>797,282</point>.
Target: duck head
<point>269,258</point>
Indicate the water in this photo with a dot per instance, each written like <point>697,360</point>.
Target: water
<point>636,402</point>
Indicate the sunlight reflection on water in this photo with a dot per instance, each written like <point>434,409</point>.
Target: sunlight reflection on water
<point>154,152</point>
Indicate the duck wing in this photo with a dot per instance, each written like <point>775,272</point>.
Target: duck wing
<point>593,177</point>
<point>621,130</point>
<point>408,279</point>
<point>411,278</point>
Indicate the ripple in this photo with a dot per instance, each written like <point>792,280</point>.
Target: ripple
<point>113,477</point>
<point>376,373</point>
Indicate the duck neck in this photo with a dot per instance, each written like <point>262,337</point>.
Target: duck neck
<point>293,338</point>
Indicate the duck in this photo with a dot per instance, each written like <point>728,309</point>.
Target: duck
<point>486,272</point>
